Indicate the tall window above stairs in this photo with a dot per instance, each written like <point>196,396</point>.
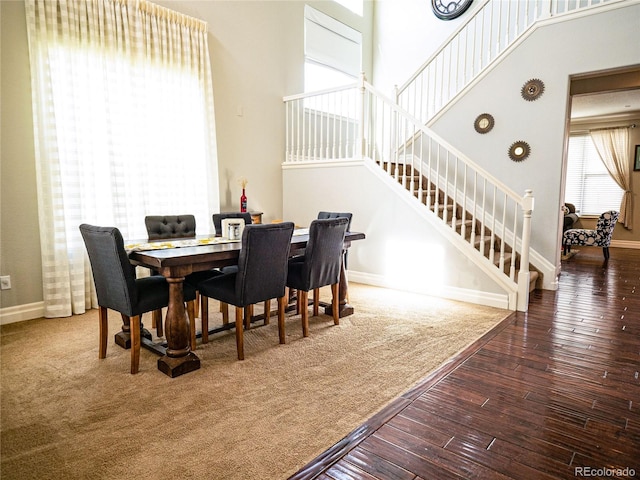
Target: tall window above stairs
<point>356,6</point>
<point>332,50</point>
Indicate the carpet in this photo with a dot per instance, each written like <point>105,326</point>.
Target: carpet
<point>66,414</point>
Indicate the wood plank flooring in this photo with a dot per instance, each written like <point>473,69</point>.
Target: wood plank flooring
<point>550,394</point>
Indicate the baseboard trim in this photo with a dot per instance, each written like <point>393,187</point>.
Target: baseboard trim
<point>451,293</point>
<point>20,313</point>
<point>625,244</point>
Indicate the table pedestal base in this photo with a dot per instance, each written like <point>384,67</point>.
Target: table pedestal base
<point>343,310</point>
<point>123,338</point>
<point>174,367</point>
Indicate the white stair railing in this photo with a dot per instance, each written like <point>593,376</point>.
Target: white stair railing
<point>495,26</point>
<point>323,125</point>
<point>358,122</point>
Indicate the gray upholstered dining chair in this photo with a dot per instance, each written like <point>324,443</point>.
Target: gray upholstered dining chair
<point>217,224</point>
<point>118,289</point>
<point>319,266</point>
<point>160,227</point>
<point>323,215</point>
<point>260,277</point>
<point>347,215</point>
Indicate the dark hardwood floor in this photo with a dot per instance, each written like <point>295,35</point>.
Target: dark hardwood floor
<point>550,394</point>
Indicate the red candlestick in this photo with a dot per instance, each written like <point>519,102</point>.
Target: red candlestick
<point>243,202</point>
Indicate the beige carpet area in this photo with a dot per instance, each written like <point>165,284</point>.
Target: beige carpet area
<point>67,415</point>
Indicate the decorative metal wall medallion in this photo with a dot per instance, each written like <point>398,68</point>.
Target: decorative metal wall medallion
<point>449,9</point>
<point>484,123</point>
<point>532,90</point>
<point>519,150</point>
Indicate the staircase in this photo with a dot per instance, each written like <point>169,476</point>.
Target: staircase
<point>482,217</point>
<point>484,240</point>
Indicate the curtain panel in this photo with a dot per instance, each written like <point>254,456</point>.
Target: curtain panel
<point>124,127</point>
<point>612,145</point>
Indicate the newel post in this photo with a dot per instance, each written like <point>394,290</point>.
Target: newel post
<point>524,275</point>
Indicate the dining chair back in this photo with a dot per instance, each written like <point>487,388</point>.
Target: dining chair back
<point>260,276</point>
<point>218,217</point>
<point>170,226</point>
<point>118,289</point>
<point>319,266</point>
<point>322,215</point>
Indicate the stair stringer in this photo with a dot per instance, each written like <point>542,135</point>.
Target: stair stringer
<point>509,286</point>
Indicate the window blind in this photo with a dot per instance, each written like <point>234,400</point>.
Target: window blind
<point>332,43</point>
<point>589,186</point>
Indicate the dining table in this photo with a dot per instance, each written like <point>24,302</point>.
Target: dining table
<point>175,259</point>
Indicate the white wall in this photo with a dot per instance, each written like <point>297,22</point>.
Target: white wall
<point>19,231</point>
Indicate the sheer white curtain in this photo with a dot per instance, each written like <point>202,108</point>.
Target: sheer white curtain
<point>612,145</point>
<point>124,127</point>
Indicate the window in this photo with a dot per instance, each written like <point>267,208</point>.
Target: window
<point>319,77</point>
<point>356,6</point>
<point>589,186</point>
<point>332,51</point>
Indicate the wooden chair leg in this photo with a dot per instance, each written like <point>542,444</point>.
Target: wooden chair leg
<point>104,332</point>
<point>316,301</point>
<point>239,333</point>
<point>282,303</point>
<point>334,303</point>
<point>191,313</point>
<point>135,343</point>
<point>224,308</point>
<point>156,321</point>
<point>248,313</point>
<point>605,251</point>
<point>204,317</point>
<point>267,311</point>
<point>303,302</point>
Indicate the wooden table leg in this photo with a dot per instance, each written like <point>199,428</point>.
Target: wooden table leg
<point>179,358</point>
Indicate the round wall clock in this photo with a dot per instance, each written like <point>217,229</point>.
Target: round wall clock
<point>484,123</point>
<point>449,9</point>
<point>519,151</point>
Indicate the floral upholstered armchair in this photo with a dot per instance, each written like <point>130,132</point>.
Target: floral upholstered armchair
<point>600,237</point>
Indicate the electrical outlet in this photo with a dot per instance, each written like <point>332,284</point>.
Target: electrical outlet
<point>5,282</point>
